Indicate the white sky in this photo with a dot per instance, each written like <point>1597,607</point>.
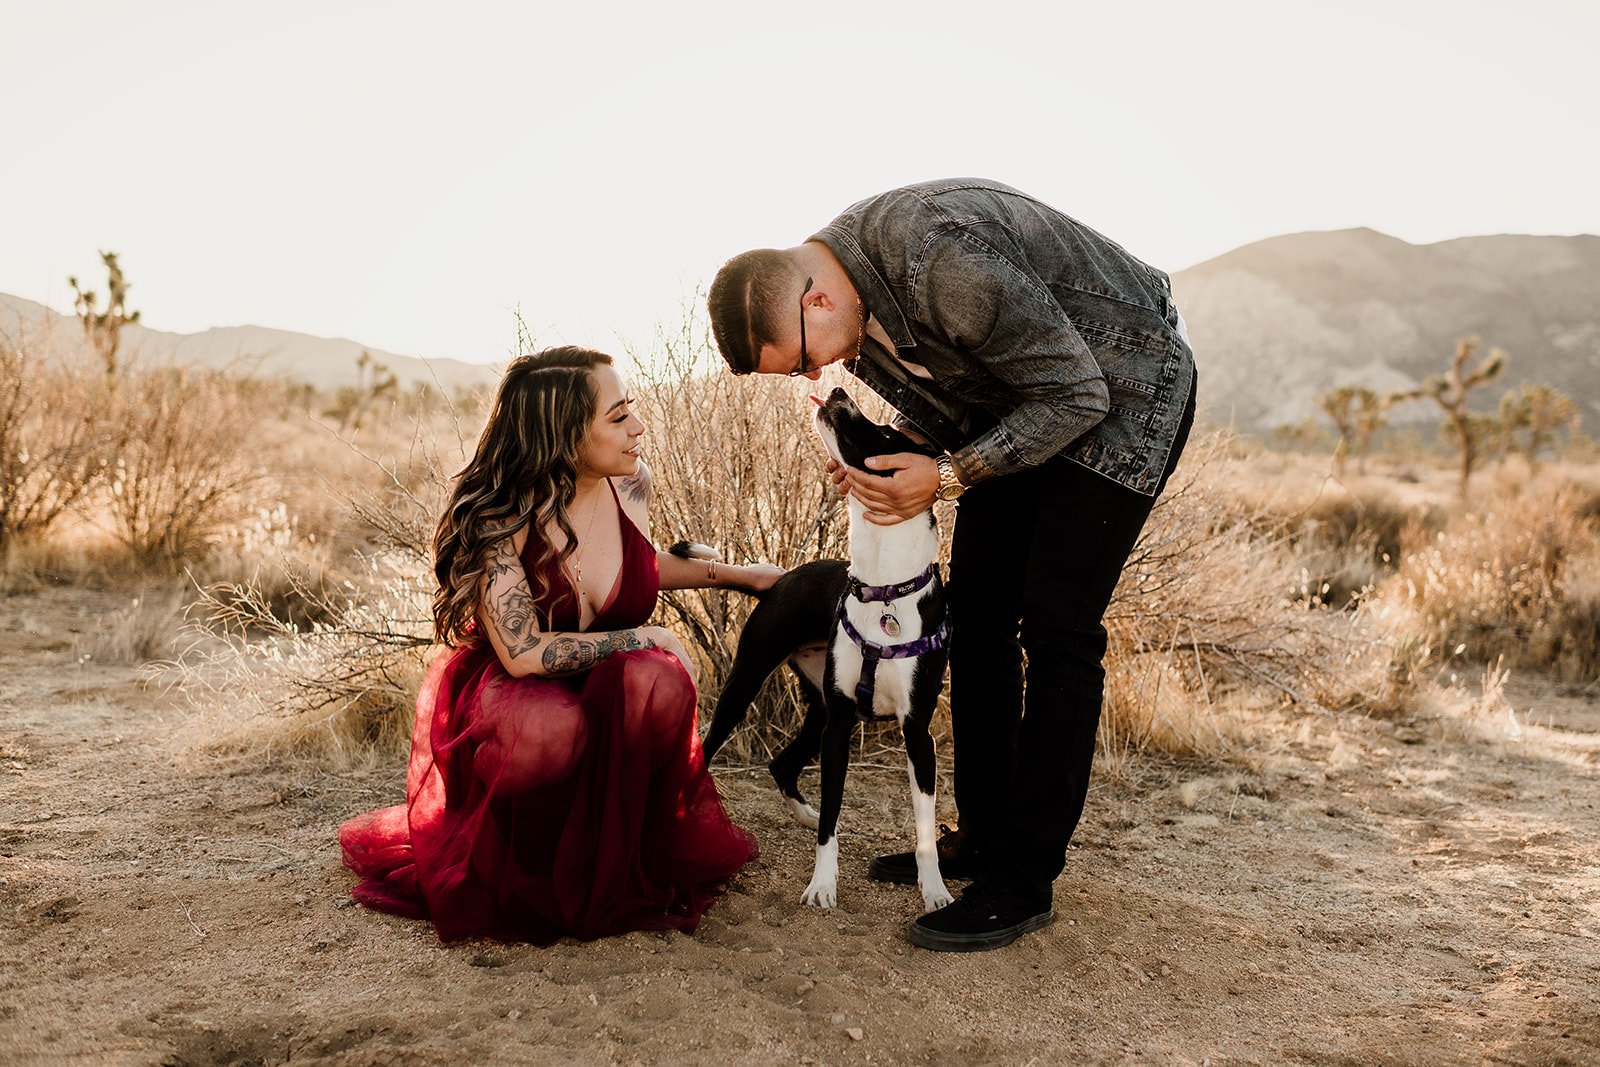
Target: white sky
<point>407,174</point>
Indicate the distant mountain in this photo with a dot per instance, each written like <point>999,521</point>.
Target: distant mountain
<point>325,362</point>
<point>1274,325</point>
<point>1278,322</point>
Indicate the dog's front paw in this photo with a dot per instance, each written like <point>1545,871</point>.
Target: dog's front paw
<point>935,897</point>
<point>821,895</point>
<point>803,813</point>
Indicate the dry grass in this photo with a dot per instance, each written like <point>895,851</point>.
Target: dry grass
<point>1261,587</point>
<point>1211,623</point>
<point>148,628</point>
<point>307,651</point>
<point>1517,577</point>
<point>337,690</point>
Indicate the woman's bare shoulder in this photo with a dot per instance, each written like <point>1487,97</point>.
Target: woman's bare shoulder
<point>635,488</point>
<point>634,492</point>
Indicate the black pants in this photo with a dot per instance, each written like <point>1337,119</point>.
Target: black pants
<point>1033,562</point>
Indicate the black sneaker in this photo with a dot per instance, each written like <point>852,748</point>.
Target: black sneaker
<point>955,861</point>
<point>987,915</point>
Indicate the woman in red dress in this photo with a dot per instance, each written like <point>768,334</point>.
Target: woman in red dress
<point>556,785</point>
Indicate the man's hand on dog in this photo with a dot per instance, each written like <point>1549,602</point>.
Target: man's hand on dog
<point>908,491</point>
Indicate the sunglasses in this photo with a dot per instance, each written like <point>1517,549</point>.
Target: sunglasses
<point>804,367</point>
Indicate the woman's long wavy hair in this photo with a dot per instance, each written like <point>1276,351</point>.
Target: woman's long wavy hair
<point>525,471</point>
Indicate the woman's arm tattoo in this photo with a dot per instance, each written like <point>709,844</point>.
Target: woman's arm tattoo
<point>512,611</point>
<point>569,654</point>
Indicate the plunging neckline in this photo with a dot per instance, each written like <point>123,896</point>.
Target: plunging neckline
<point>622,565</point>
<point>629,601</point>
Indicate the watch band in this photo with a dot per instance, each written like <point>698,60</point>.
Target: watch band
<point>950,484</point>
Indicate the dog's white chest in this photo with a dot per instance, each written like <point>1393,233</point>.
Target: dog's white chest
<point>881,556</point>
<point>891,682</point>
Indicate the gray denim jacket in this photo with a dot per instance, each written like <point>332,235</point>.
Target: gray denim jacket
<point>1039,335</point>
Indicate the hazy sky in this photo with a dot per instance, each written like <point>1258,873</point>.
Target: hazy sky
<point>407,174</point>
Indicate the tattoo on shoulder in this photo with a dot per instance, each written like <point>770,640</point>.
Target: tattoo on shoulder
<point>503,559</point>
<point>637,485</point>
<point>569,654</point>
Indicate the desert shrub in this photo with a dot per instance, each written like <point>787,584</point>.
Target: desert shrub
<point>306,653</point>
<point>735,466</point>
<point>1218,612</point>
<point>1349,538</point>
<point>265,563</point>
<point>1519,579</point>
<point>182,461</point>
<point>339,688</point>
<point>1211,613</point>
<point>146,628</point>
<point>52,420</point>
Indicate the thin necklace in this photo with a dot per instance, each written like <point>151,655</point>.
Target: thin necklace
<point>861,330</point>
<point>577,560</point>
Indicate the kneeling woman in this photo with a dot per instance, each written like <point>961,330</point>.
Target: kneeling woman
<point>556,785</point>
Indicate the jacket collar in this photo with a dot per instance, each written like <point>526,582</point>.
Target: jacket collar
<point>870,286</point>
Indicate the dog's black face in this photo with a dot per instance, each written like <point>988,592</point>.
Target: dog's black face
<point>850,437</point>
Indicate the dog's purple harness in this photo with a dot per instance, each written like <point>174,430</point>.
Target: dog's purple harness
<point>871,651</point>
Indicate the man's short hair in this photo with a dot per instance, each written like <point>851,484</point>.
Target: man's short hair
<point>746,301</point>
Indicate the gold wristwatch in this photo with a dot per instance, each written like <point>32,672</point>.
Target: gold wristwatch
<point>950,486</point>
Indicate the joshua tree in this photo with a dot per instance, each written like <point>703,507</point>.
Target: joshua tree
<point>1450,391</point>
<point>104,328</point>
<point>1358,414</point>
<point>374,381</point>
<point>1530,417</point>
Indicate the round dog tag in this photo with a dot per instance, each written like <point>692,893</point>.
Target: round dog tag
<point>890,624</point>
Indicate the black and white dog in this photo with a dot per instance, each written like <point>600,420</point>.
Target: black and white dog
<point>867,640</point>
<point>791,624</point>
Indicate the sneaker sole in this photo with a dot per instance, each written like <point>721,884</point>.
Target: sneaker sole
<point>936,941</point>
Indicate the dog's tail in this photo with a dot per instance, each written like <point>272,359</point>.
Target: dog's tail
<point>694,550</point>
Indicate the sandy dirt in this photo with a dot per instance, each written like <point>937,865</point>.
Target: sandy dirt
<point>1347,891</point>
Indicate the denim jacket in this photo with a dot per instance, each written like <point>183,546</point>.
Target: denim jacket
<point>1040,337</point>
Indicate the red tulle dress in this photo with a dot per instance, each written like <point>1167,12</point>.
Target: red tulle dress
<point>538,808</point>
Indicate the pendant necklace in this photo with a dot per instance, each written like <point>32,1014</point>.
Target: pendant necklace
<point>577,560</point>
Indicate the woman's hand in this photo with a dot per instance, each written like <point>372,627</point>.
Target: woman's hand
<point>663,638</point>
<point>757,577</point>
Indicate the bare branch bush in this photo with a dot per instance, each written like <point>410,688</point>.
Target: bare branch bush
<point>182,460</point>
<point>53,416</point>
<point>734,465</point>
<point>331,689</point>
<point>306,658</point>
<point>1213,610</point>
